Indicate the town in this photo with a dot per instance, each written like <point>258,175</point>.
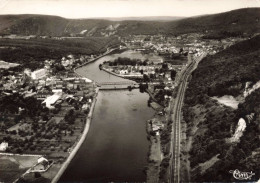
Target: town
<point>43,112</point>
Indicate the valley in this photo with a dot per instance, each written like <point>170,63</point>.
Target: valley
<point>155,99</point>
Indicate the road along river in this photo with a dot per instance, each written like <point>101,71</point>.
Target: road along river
<point>116,146</point>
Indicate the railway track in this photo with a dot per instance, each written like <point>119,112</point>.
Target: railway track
<point>174,166</point>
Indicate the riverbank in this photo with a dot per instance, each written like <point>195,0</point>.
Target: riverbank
<point>79,143</point>
<point>87,125</point>
<point>155,154</point>
<point>153,128</point>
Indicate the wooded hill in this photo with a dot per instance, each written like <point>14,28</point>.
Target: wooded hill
<point>31,53</point>
<point>210,124</point>
<point>237,21</point>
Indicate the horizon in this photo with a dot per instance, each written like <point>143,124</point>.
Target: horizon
<point>120,9</point>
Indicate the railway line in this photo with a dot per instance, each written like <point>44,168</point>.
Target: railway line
<point>174,166</point>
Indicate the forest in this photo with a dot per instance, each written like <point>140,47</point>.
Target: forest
<point>224,73</point>
<point>31,53</point>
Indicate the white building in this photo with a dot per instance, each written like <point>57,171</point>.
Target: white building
<point>87,80</point>
<point>51,100</point>
<point>38,74</point>
<point>42,159</point>
<point>3,146</point>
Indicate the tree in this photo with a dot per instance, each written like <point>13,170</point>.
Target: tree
<point>152,76</point>
<point>129,88</point>
<point>143,87</point>
<point>37,175</point>
<point>164,67</point>
<point>146,78</point>
<point>71,132</point>
<point>70,117</point>
<point>145,62</point>
<point>157,70</point>
<point>173,74</point>
<point>19,150</point>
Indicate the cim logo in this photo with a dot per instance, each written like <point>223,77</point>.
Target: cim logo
<point>241,175</point>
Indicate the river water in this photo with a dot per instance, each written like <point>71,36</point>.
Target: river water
<point>116,146</point>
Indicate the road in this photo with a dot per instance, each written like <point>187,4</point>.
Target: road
<point>175,108</point>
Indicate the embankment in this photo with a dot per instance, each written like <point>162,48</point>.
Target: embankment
<point>79,143</point>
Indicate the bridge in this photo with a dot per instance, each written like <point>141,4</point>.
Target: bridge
<point>117,83</point>
<point>121,85</point>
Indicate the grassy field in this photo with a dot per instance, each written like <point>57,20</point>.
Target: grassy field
<point>12,167</point>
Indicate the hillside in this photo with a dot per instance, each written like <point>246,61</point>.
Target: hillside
<point>32,25</point>
<point>242,20</point>
<point>210,125</point>
<point>146,18</point>
<point>58,26</point>
<point>31,53</point>
<point>238,21</point>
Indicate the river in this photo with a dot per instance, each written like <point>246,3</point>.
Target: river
<point>116,146</point>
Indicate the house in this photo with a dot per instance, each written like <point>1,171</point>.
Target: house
<point>41,159</point>
<point>87,80</point>
<point>38,74</point>
<point>41,166</point>
<point>3,146</point>
<point>51,100</point>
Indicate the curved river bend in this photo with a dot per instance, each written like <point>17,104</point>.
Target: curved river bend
<point>116,146</point>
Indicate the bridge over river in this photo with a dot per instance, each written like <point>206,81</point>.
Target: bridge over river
<point>121,85</point>
<point>117,85</point>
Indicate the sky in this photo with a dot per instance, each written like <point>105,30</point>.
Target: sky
<point>122,8</point>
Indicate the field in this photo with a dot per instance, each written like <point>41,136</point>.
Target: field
<point>12,167</point>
